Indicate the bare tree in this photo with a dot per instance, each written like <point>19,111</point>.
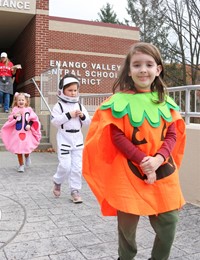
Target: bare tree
<point>174,27</point>
<point>183,17</point>
<point>146,15</point>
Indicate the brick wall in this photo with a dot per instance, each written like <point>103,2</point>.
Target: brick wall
<point>99,48</point>
<point>90,43</point>
<point>41,43</point>
<point>24,52</point>
<point>42,4</point>
<point>31,48</point>
<point>90,84</point>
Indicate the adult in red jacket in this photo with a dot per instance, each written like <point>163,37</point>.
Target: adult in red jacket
<point>6,82</point>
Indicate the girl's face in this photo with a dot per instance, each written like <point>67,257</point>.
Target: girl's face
<point>21,101</point>
<point>71,91</point>
<point>143,70</point>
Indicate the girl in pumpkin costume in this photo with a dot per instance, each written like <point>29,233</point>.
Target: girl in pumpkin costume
<point>133,151</point>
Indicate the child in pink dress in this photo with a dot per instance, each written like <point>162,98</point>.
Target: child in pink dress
<point>21,133</point>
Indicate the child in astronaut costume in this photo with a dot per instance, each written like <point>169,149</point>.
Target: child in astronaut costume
<point>68,115</point>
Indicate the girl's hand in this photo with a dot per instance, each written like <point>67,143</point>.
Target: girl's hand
<point>76,113</point>
<point>151,178</point>
<point>28,127</point>
<point>73,114</point>
<point>79,113</point>
<point>17,116</point>
<point>150,164</point>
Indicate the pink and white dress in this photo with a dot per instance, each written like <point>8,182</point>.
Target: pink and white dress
<point>15,137</point>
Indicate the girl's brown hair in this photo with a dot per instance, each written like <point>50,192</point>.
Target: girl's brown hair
<point>125,82</point>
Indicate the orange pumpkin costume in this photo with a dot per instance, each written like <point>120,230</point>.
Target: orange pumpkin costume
<point>118,183</point>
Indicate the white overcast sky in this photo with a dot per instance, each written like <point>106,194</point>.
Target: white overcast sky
<point>86,9</point>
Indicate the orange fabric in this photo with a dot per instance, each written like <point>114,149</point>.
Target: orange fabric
<point>108,173</point>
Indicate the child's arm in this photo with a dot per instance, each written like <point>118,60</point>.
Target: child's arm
<point>169,142</point>
<point>14,115</point>
<point>84,116</point>
<point>125,146</point>
<point>130,151</point>
<point>58,117</point>
<point>150,164</point>
<point>151,178</point>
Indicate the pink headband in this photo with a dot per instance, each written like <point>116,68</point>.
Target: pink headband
<point>25,94</point>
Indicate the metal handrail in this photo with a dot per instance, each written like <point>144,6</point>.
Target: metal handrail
<point>187,97</point>
<point>182,95</point>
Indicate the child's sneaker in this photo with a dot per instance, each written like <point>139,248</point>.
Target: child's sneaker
<point>56,189</point>
<point>75,197</point>
<point>28,161</point>
<point>21,168</point>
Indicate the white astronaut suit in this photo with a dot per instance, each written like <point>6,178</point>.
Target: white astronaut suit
<point>69,141</point>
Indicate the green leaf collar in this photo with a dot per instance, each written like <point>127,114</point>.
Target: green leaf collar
<point>140,106</point>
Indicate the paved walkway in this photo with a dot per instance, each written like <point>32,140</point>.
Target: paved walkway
<point>36,226</point>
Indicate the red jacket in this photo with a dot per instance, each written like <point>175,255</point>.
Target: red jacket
<point>5,70</point>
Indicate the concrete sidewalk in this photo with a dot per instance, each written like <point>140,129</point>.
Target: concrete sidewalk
<point>35,225</point>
